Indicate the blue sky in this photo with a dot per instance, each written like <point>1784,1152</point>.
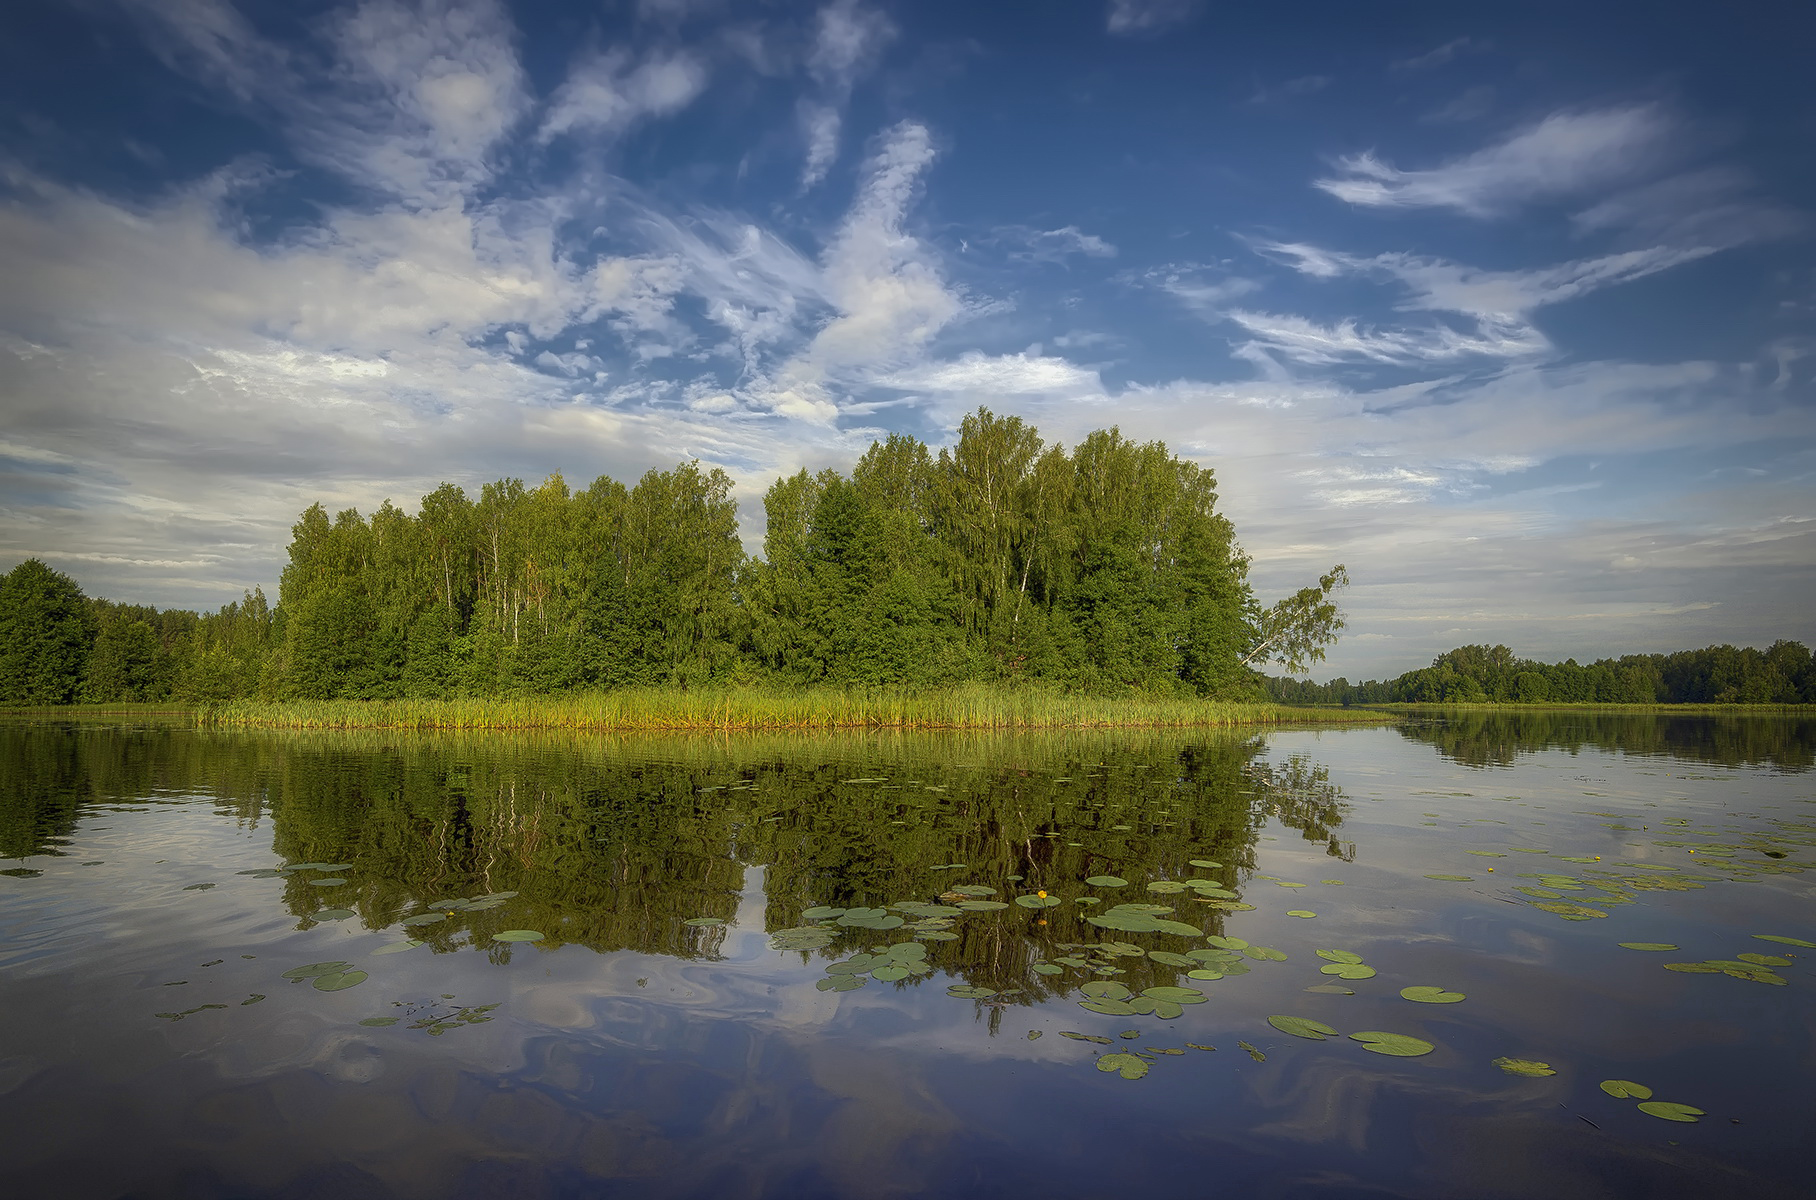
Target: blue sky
<point>1511,309</point>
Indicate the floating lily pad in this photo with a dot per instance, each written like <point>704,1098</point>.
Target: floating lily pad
<point>1331,989</point>
<point>1348,970</point>
<point>260,873</point>
<point>1646,946</point>
<point>1128,1065</point>
<point>1206,863</point>
<point>1300,912</point>
<point>1084,1037</point>
<point>326,882</point>
<point>339,981</point>
<point>517,935</point>
<point>1254,1052</point>
<point>1265,954</point>
<point>704,922</point>
<point>839,983</point>
<point>1038,901</point>
<point>1105,989</point>
<point>1486,853</point>
<point>1107,881</point>
<point>377,1022</point>
<point>1113,1008</point>
<point>1454,878</point>
<point>1665,1110</point>
<point>1303,1027</point>
<point>1340,956</point>
<point>1529,1067</point>
<point>312,970</point>
<point>980,906</point>
<point>1788,941</point>
<point>1048,969</point>
<point>965,991</point>
<point>1178,995</point>
<point>889,974</point>
<point>424,919</point>
<point>1399,1045</point>
<point>1227,943</point>
<point>398,947</point>
<point>1764,960</point>
<point>1625,1089</point>
<point>973,889</point>
<point>1431,995</point>
<point>821,912</point>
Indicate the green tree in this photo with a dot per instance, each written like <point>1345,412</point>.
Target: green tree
<point>46,629</point>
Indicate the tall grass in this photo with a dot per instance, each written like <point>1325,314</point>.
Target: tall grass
<point>657,709</point>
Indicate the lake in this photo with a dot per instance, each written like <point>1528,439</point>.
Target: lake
<point>1345,963</point>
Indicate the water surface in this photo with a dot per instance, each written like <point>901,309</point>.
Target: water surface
<point>676,1030</point>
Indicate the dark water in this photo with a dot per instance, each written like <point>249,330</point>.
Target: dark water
<point>151,1045</point>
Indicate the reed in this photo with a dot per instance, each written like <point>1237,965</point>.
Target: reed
<point>661,709</point>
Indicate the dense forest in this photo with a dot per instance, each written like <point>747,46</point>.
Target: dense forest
<point>1780,674</point>
<point>1103,569</point>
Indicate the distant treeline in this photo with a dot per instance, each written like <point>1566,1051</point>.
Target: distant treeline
<point>1780,674</point>
<point>1104,569</point>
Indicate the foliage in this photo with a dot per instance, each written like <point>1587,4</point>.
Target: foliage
<point>1003,561</point>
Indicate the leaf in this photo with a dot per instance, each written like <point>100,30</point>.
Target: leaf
<point>1764,960</point>
<point>1331,989</point>
<point>1348,970</point>
<point>1227,943</point>
<point>340,981</point>
<point>1302,1027</point>
<point>1206,863</point>
<point>1084,1037</point>
<point>821,912</point>
<point>1340,956</point>
<point>1171,959</point>
<point>704,922</point>
<point>1038,901</point>
<point>1112,1008</point>
<point>1399,1045</point>
<point>398,947</point>
<point>1105,989</point>
<point>889,974</point>
<point>974,906</point>
<point>1622,1089</point>
<point>331,914</point>
<point>377,1022</point>
<point>1108,881</point>
<point>1300,912</point>
<point>1454,878</point>
<point>1646,946</point>
<point>1265,954</point>
<point>1049,969</point>
<point>1665,1110</point>
<point>1127,1065</point>
<point>1485,853</point>
<point>1178,995</point>
<point>1253,1052</point>
<point>326,882</point>
<point>517,935</point>
<point>311,970</point>
<point>973,889</point>
<point>1531,1068</point>
<point>965,991</point>
<point>1789,941</point>
<point>1430,995</point>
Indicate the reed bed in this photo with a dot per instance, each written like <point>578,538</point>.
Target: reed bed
<point>660,709</point>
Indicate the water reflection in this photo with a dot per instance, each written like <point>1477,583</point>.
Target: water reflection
<point>1498,739</point>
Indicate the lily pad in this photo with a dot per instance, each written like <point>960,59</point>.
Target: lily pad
<point>1430,995</point>
<point>973,889</point>
<point>1171,959</point>
<point>1300,912</point>
<point>378,1022</point>
<point>1646,946</point>
<point>1084,1037</point>
<point>1303,1027</point>
<point>1331,989</point>
<point>1399,1045</point>
<point>1764,960</point>
<point>704,922</point>
<point>890,974</point>
<point>339,981</point>
<point>312,970</point>
<point>1206,863</point>
<point>1265,954</point>
<point>1254,1052</point>
<point>1529,1067</point>
<point>518,935</point>
<point>979,906</point>
<point>326,882</point>
<point>1665,1110</point>
<point>1048,969</point>
<point>424,919</point>
<point>398,947</point>
<point>1788,941</point>
<point>331,914</point>
<point>965,991</point>
<point>1108,881</point>
<point>1454,878</point>
<point>1486,853</point>
<point>1625,1089</point>
<point>1348,970</point>
<point>1340,956</point>
<point>1227,943</point>
<point>1127,1065</point>
<point>1038,901</point>
<point>1112,1008</point>
<point>1105,989</point>
<point>821,912</point>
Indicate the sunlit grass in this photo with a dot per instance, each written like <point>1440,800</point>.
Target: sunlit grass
<point>654,709</point>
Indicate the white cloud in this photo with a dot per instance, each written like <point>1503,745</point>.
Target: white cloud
<point>1130,17</point>
<point>607,92</point>
<point>1437,56</point>
<point>1308,341</point>
<point>848,39</point>
<point>1207,290</point>
<point>1564,155</point>
<point>1051,245</point>
<point>978,375</point>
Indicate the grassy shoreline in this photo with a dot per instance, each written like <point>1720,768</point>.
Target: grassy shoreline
<point>656,709</point>
<point>1686,710</point>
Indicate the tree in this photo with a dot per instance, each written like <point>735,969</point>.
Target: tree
<point>46,629</point>
<point>1296,631</point>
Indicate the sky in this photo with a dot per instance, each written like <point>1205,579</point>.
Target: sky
<point>1510,309</point>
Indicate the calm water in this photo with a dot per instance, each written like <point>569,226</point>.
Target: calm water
<point>152,1045</point>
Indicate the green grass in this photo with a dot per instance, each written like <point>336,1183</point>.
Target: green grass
<point>658,709</point>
